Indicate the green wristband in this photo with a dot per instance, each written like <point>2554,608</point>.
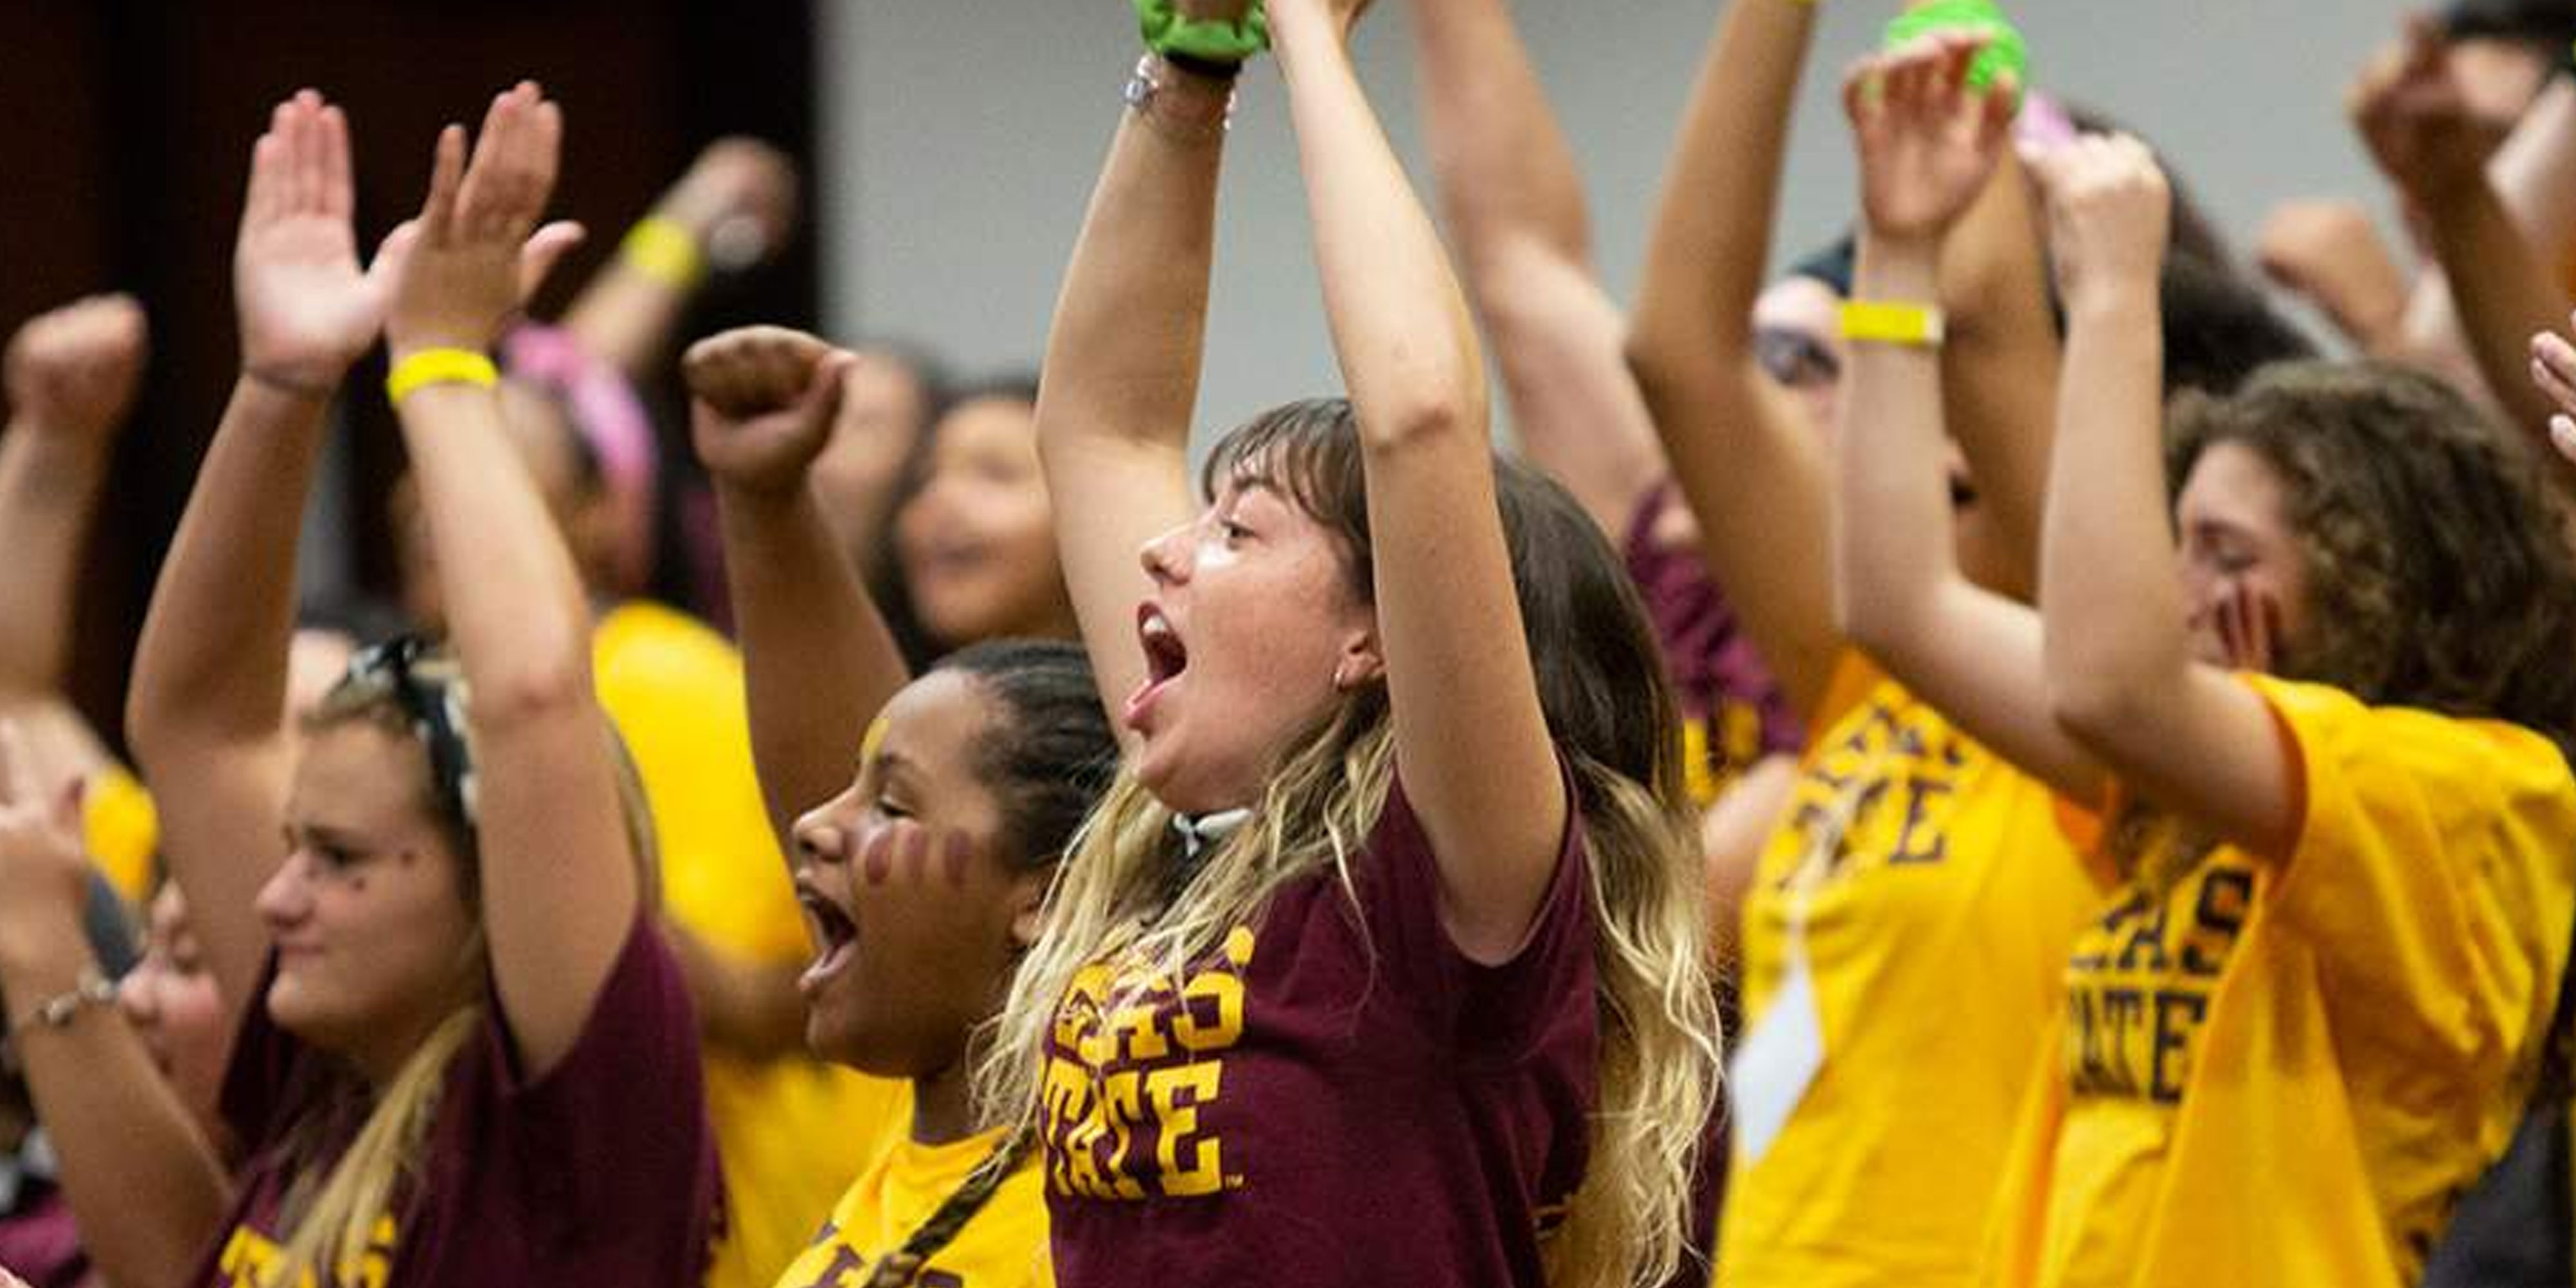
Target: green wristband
<point>1167,32</point>
<point>2005,52</point>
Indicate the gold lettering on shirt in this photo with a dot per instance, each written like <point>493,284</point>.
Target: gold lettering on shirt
<point>253,1260</point>
<point>1135,1064</point>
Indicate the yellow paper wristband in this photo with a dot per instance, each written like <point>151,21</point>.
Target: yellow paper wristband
<point>439,367</point>
<point>659,248</point>
<point>1887,322</point>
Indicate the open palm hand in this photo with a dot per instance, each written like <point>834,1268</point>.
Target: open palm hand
<point>307,309</point>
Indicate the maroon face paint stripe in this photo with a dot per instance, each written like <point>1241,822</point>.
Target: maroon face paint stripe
<point>912,854</point>
<point>955,848</point>
<point>876,858</point>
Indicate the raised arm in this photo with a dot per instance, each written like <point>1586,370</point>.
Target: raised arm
<point>1123,354</point>
<point>1470,741</point>
<point>2413,112</point>
<point>1751,466</point>
<point>732,207</point>
<point>1928,145</point>
<point>71,378</point>
<point>205,712</point>
<point>1514,205</point>
<point>818,662</point>
<point>2121,676</point>
<point>144,1185</point>
<point>560,885</point>
<point>1999,366</point>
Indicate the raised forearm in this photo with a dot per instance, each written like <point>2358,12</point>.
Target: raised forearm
<point>1399,322</point>
<point>1123,354</point>
<point>818,663</point>
<point>626,316</point>
<point>1712,231</point>
<point>1893,546</point>
<point>49,489</point>
<point>211,665</point>
<point>2503,294</point>
<point>1122,365</point>
<point>1751,466</point>
<point>1514,203</point>
<point>1506,172</point>
<point>516,615</point>
<point>1999,366</point>
<point>146,1187</point>
<point>2116,634</point>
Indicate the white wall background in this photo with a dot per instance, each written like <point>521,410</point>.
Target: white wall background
<point>960,140</point>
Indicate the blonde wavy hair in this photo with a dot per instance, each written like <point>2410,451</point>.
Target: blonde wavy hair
<point>339,1212</point>
<point>1610,710</point>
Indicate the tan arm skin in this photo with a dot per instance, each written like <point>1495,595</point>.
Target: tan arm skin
<point>2121,678</point>
<point>1751,466</point>
<point>559,878</point>
<point>1122,365</point>
<point>1514,205</point>
<point>1999,372</point>
<point>1471,742</point>
<point>205,713</point>
<point>205,710</point>
<point>2496,288</point>
<point>818,662</point>
<point>1928,147</point>
<point>71,376</point>
<point>147,1188</point>
<point>626,316</point>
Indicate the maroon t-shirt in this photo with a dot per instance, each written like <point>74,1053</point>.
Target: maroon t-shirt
<point>601,1172</point>
<point>1336,1096</point>
<point>1738,713</point>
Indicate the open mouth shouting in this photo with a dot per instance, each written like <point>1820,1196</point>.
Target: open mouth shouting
<point>835,935</point>
<point>1165,658</point>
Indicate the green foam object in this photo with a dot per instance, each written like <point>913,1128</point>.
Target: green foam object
<point>1167,32</point>
<point>2006,52</point>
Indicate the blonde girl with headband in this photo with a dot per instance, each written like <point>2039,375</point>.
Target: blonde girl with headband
<point>1383,959</point>
<point>465,1055</point>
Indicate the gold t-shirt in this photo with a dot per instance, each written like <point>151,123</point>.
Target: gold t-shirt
<point>1003,1246</point>
<point>2288,1072</point>
<point>1940,890</point>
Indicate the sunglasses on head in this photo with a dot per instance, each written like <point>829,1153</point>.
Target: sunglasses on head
<point>1795,358</point>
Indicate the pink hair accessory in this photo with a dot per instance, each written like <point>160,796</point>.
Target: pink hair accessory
<point>2043,126</point>
<point>612,423</point>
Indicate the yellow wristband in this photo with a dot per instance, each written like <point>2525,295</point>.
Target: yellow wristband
<point>659,248</point>
<point>439,367</point>
<point>1889,322</point>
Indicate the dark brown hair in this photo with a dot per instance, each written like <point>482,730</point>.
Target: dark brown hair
<point>2438,574</point>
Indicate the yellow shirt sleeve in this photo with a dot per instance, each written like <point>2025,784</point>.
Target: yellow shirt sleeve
<point>2432,873</point>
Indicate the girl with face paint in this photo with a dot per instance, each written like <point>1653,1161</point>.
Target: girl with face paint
<point>922,874</point>
<point>452,971</point>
